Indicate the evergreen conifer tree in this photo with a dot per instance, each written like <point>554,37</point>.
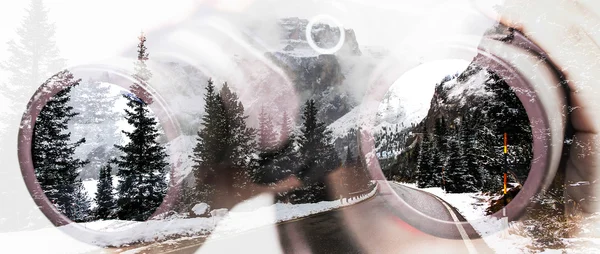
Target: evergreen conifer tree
<point>267,144</point>
<point>410,163</point>
<point>226,146</point>
<point>440,154</point>
<point>105,200</point>
<point>95,102</point>
<point>239,138</point>
<point>318,154</point>
<point>470,161</point>
<point>287,127</point>
<point>56,168</point>
<point>504,113</point>
<point>33,56</point>
<point>455,170</point>
<point>489,150</point>
<point>424,175</point>
<point>210,149</point>
<point>267,137</point>
<point>142,73</point>
<point>142,166</point>
<point>287,160</point>
<point>463,170</point>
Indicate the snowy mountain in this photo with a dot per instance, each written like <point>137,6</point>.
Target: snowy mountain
<point>283,82</point>
<point>456,94</point>
<point>182,88</point>
<point>180,150</point>
<point>401,119</point>
<point>463,132</point>
<point>294,41</point>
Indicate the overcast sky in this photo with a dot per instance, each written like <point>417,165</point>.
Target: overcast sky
<point>107,26</point>
<point>91,30</point>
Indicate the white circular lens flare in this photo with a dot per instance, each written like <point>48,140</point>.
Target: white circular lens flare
<point>311,42</point>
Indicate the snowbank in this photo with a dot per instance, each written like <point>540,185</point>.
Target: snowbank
<point>47,240</point>
<point>472,206</point>
<point>257,212</point>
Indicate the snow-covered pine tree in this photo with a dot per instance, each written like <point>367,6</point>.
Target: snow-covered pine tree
<point>267,137</point>
<point>412,160</point>
<point>81,207</point>
<point>56,168</point>
<point>240,139</point>
<point>455,170</point>
<point>142,166</point>
<point>226,148</point>
<point>424,174</point>
<point>95,102</point>
<point>33,56</point>
<point>210,149</point>
<point>489,150</point>
<point>287,160</point>
<point>267,146</point>
<point>105,200</point>
<point>142,73</point>
<point>318,155</point>
<point>468,141</point>
<point>511,117</point>
<point>463,169</point>
<point>440,155</point>
<point>287,128</point>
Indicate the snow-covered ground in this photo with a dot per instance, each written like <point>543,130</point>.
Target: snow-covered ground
<point>256,212</point>
<point>472,206</point>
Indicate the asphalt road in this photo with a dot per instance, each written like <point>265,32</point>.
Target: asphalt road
<point>433,207</point>
<point>381,224</point>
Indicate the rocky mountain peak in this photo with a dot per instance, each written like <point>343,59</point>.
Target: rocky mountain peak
<point>293,37</point>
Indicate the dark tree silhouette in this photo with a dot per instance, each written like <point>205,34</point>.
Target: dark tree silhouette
<point>142,166</point>
<point>224,153</point>
<point>105,200</point>
<point>56,168</point>
<point>318,157</point>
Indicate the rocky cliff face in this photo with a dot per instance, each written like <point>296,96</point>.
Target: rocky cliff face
<point>319,78</point>
<point>456,94</point>
<point>316,76</point>
<point>293,35</point>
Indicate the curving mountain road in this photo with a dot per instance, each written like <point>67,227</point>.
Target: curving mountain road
<point>381,224</point>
